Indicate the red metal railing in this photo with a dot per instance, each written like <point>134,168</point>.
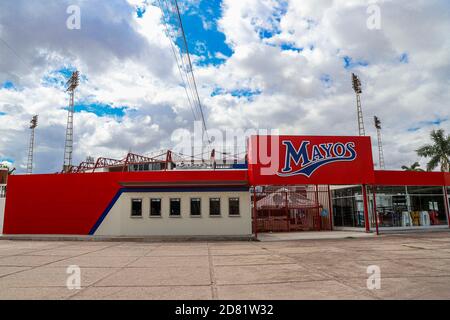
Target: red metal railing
<point>294,208</point>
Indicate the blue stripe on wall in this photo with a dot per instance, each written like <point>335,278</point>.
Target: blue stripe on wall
<point>152,190</point>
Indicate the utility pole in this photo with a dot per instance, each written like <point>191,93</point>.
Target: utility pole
<point>357,87</point>
<point>72,84</point>
<point>33,125</point>
<point>380,143</point>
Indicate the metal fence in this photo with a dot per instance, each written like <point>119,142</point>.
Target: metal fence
<point>293,208</point>
<point>2,191</point>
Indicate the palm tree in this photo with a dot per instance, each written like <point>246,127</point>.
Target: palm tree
<point>439,151</point>
<point>414,167</point>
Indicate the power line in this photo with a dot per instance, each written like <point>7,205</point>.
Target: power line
<point>173,22</point>
<point>178,63</point>
<point>15,53</point>
<point>7,45</point>
<point>191,69</point>
<point>186,67</point>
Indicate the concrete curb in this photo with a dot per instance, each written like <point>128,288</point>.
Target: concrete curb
<point>145,239</point>
<point>414,231</point>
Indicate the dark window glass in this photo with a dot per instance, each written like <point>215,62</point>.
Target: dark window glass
<point>214,206</point>
<point>234,206</point>
<point>175,207</point>
<point>425,190</point>
<point>196,207</point>
<point>136,208</point>
<point>155,207</point>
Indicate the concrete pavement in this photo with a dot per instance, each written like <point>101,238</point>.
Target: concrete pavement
<point>413,266</point>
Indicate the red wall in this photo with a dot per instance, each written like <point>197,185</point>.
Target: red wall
<point>409,178</point>
<point>73,203</point>
<point>358,171</point>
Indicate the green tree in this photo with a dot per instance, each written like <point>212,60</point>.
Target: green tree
<point>438,152</point>
<point>414,167</point>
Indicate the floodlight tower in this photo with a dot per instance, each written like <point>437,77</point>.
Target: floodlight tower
<point>72,84</point>
<point>380,143</point>
<point>33,125</point>
<point>357,87</point>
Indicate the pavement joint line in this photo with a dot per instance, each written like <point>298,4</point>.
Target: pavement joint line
<point>59,267</point>
<point>397,276</point>
<point>406,263</point>
<point>273,282</point>
<point>46,264</point>
<point>252,264</point>
<point>228,284</point>
<point>83,289</point>
<point>214,292</point>
<point>329,276</point>
<point>28,253</point>
<point>153,286</point>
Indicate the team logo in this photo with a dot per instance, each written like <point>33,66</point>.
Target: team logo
<point>306,160</point>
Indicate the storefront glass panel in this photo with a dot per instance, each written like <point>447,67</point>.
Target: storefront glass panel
<point>348,206</point>
<point>412,206</point>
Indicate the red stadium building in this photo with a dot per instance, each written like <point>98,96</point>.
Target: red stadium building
<point>288,183</point>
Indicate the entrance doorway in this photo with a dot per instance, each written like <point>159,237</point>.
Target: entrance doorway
<point>292,208</point>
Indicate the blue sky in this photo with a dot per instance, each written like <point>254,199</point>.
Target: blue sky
<point>58,78</point>
<point>202,34</point>
<point>204,37</point>
<point>238,93</point>
<point>350,63</point>
<point>8,85</point>
<point>436,122</point>
<point>100,109</point>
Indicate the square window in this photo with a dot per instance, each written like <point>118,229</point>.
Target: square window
<point>155,207</point>
<point>196,205</point>
<point>214,206</point>
<point>175,207</point>
<point>136,207</point>
<point>233,204</point>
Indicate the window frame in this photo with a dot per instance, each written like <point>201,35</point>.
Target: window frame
<point>170,208</point>
<point>200,207</point>
<point>238,206</point>
<point>160,208</point>
<point>131,211</point>
<point>220,207</point>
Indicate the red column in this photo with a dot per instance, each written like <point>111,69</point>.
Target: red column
<point>255,216</point>
<point>319,218</point>
<point>375,212</point>
<point>447,209</point>
<point>330,204</point>
<point>366,208</point>
<point>287,212</point>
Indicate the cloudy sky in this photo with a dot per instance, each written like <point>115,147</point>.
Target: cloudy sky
<point>259,64</point>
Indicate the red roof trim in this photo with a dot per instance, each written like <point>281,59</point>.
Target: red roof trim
<point>411,178</point>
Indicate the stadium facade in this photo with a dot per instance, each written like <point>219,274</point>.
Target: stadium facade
<point>288,183</point>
